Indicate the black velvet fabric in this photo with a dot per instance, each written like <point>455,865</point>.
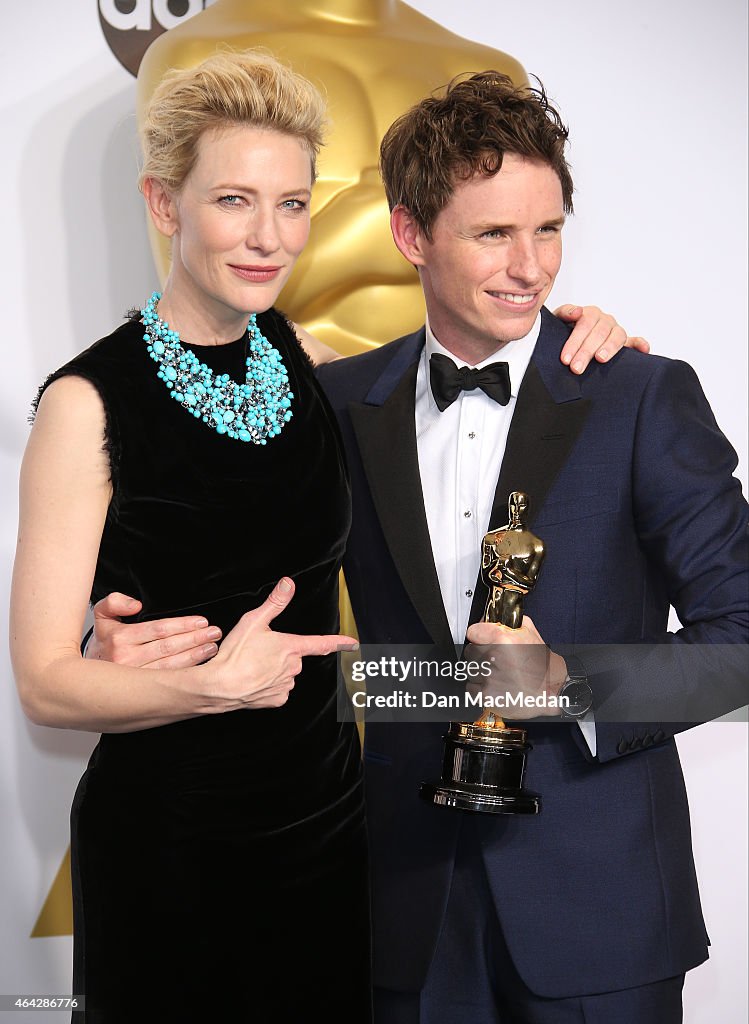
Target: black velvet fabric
<point>220,863</point>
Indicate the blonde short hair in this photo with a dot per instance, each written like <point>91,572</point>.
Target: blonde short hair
<point>248,88</point>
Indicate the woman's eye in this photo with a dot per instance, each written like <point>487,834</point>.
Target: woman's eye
<point>294,204</point>
<point>230,200</point>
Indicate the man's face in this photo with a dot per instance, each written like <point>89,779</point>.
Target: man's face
<point>495,252</point>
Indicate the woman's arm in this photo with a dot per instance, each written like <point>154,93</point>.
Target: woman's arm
<point>317,350</point>
<point>596,335</point>
<point>64,495</point>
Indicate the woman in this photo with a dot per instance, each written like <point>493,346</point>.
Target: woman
<point>218,833</point>
<point>190,459</point>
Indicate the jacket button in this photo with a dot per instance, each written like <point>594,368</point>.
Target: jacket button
<point>636,743</point>
<point>658,735</point>
<point>622,746</point>
<point>647,740</point>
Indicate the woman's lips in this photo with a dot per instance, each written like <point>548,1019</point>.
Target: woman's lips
<point>250,273</point>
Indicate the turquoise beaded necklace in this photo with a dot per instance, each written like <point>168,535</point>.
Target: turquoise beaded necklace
<point>250,412</point>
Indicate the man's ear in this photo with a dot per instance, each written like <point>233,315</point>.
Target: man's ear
<point>161,206</point>
<point>407,235</point>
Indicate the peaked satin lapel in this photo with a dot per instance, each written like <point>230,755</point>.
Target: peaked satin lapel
<point>543,431</point>
<point>386,434</point>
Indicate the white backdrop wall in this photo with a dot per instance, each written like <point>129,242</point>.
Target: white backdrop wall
<point>655,94</point>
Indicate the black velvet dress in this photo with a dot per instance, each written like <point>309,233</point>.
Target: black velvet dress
<point>219,864</point>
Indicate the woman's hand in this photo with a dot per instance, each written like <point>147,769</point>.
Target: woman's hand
<point>161,643</point>
<point>256,667</point>
<point>596,334</point>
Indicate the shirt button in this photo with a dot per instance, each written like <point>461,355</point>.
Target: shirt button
<point>467,514</point>
<point>472,435</point>
<point>469,593</point>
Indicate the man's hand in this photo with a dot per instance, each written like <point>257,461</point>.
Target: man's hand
<point>522,664</point>
<point>596,334</point>
<point>163,643</point>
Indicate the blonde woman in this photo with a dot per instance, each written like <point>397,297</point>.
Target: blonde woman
<point>218,841</point>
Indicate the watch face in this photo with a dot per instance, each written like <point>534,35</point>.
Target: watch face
<point>580,698</point>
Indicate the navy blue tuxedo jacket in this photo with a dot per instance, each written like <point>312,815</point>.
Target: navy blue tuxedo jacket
<point>632,490</point>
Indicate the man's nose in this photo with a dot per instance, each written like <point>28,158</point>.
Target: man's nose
<point>524,264</point>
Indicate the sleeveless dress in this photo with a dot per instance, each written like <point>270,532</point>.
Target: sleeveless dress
<point>219,863</point>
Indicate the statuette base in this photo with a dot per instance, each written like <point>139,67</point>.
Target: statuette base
<point>483,770</point>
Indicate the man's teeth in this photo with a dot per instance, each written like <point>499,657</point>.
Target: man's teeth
<point>518,300</point>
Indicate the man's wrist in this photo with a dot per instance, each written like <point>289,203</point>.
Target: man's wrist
<point>556,674</point>
<point>575,691</point>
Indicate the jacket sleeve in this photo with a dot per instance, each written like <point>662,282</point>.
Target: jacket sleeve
<point>691,520</point>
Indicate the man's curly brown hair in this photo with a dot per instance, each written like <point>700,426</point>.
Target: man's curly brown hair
<point>449,138</point>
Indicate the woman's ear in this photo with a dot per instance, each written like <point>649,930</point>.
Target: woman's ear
<point>161,206</point>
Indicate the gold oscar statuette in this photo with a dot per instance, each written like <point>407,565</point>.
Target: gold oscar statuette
<point>484,761</point>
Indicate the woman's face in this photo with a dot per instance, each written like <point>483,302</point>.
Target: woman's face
<point>240,222</point>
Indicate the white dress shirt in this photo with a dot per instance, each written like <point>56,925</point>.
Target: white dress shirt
<point>460,455</point>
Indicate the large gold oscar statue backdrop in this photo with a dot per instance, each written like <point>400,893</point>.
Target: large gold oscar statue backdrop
<point>372,59</point>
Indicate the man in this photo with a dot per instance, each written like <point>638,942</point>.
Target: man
<point>589,911</point>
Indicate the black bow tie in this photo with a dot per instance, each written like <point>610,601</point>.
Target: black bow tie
<point>447,380</point>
